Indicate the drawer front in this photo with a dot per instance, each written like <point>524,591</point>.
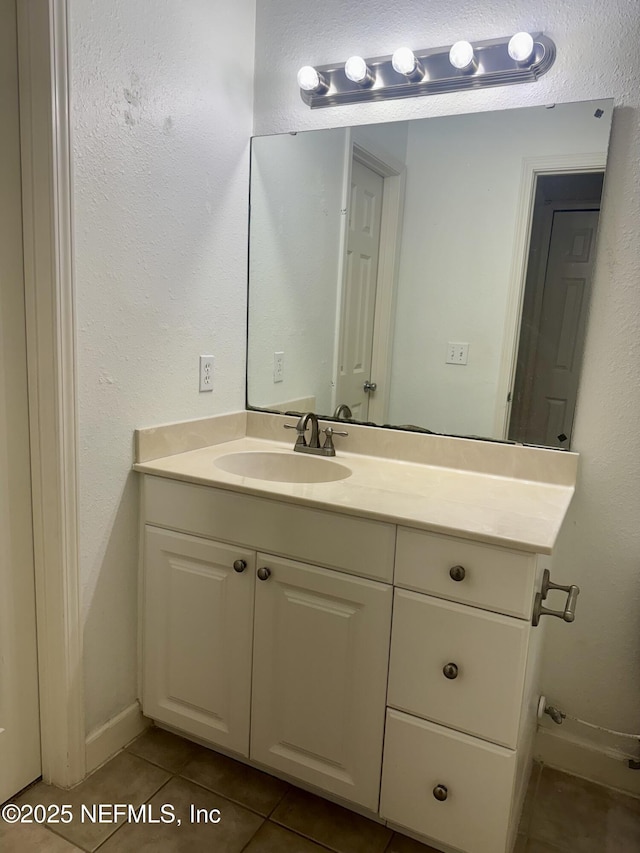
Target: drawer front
<point>355,545</point>
<point>484,656</point>
<point>496,579</point>
<point>420,757</point>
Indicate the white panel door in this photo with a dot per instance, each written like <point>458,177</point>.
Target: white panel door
<point>198,617</point>
<point>562,325</point>
<point>19,711</point>
<point>554,322</point>
<point>359,289</point>
<point>321,647</point>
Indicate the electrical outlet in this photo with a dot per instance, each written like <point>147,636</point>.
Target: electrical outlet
<point>457,353</point>
<point>278,367</point>
<point>206,373</point>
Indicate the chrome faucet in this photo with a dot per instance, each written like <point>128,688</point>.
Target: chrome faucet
<point>343,410</point>
<point>314,446</point>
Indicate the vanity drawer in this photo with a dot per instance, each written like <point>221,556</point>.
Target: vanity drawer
<point>359,546</point>
<point>478,778</point>
<point>483,654</point>
<point>498,579</point>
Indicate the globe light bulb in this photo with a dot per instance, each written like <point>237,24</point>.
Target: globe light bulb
<point>309,79</point>
<point>404,61</point>
<point>356,69</point>
<point>461,55</point>
<point>520,47</point>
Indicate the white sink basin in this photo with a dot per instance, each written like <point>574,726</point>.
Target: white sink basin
<point>282,467</point>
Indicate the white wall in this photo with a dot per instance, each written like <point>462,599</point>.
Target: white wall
<point>384,139</point>
<point>297,187</point>
<point>297,233</point>
<point>458,243</point>
<point>161,120</point>
<point>592,667</point>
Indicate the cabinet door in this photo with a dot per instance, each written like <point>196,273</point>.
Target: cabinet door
<point>320,660</point>
<point>198,617</point>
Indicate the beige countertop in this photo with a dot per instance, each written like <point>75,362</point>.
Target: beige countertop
<point>505,510</point>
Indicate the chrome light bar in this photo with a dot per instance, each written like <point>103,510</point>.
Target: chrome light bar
<point>435,71</point>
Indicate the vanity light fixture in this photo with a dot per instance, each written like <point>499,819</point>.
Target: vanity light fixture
<point>311,80</point>
<point>521,58</point>
<point>358,71</point>
<point>404,61</point>
<point>521,47</point>
<point>462,56</point>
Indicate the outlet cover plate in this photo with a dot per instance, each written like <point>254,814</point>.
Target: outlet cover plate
<point>206,373</point>
<point>457,353</point>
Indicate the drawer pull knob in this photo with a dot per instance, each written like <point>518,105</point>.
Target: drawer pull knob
<point>240,565</point>
<point>264,573</point>
<point>450,670</point>
<point>457,573</point>
<point>441,793</point>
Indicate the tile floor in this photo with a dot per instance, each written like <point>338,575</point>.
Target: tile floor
<point>261,814</point>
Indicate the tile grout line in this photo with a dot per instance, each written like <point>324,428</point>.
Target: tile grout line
<point>126,823</point>
<point>73,843</point>
<point>227,797</point>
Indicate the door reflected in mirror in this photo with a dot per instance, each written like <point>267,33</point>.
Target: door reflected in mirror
<point>431,274</point>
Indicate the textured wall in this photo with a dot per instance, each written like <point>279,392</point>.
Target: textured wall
<point>592,668</point>
<point>161,119</point>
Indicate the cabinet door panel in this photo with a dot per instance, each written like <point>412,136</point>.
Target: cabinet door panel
<point>472,814</point>
<point>197,637</point>
<point>320,668</point>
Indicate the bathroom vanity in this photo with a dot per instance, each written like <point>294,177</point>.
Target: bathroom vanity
<point>369,638</point>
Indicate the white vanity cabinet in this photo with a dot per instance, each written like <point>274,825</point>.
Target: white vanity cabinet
<point>301,639</point>
<point>228,626</point>
<point>462,694</point>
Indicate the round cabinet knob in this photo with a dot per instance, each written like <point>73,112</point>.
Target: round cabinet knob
<point>450,671</point>
<point>457,573</point>
<point>441,793</point>
<point>240,565</point>
<point>264,573</point>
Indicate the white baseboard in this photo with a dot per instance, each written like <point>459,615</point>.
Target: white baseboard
<point>103,743</point>
<point>596,763</point>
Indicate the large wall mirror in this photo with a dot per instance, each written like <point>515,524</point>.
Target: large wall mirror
<point>431,274</point>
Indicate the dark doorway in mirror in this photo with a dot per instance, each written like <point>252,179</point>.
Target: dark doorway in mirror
<point>558,281</point>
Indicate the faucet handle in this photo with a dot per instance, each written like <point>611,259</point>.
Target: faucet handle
<point>331,431</point>
<point>328,448</point>
<point>300,428</point>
